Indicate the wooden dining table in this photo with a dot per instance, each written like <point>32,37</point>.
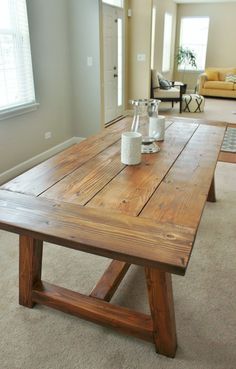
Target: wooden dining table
<point>85,199</point>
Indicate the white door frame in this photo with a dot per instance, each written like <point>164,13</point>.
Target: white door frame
<point>120,109</point>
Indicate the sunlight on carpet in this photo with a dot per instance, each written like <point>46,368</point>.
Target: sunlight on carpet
<point>215,109</point>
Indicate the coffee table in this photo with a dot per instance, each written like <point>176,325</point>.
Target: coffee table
<point>84,198</point>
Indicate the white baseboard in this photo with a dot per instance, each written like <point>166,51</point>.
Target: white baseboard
<point>22,167</point>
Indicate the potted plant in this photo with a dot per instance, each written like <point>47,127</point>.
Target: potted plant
<point>186,56</point>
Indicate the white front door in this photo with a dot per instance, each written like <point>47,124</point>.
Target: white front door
<point>113,61</point>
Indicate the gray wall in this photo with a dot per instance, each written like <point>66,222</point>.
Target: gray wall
<point>86,97</point>
<point>23,137</point>
<point>63,33</point>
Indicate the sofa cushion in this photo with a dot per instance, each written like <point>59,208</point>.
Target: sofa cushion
<point>173,92</point>
<point>223,72</point>
<point>230,78</point>
<point>218,85</point>
<point>212,75</point>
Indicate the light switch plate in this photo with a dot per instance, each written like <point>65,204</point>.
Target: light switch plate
<point>89,61</point>
<point>141,57</point>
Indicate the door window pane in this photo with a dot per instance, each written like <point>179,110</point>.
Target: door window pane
<point>120,57</point>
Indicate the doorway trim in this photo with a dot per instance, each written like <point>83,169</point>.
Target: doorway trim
<point>124,87</point>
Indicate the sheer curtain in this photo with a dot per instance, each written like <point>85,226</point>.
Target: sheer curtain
<point>167,43</point>
<point>16,75</point>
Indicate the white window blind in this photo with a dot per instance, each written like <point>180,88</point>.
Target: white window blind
<point>16,76</point>
<point>167,43</point>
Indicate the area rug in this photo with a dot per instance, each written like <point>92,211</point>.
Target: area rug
<point>229,143</point>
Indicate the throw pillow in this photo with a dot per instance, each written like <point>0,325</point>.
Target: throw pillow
<point>212,75</point>
<point>230,78</point>
<point>223,72</point>
<point>164,84</point>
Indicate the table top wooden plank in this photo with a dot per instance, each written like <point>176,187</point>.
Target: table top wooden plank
<point>181,197</point>
<point>198,121</point>
<point>130,190</point>
<point>146,214</point>
<point>41,177</point>
<point>82,184</point>
<point>227,157</point>
<point>130,239</point>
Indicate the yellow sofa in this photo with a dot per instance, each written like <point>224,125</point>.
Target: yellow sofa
<point>219,82</point>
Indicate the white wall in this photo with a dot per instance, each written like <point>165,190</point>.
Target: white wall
<point>23,137</point>
<point>86,97</point>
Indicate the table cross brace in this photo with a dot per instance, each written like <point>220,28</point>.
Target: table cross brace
<point>33,290</point>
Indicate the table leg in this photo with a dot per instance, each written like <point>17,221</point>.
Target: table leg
<point>30,266</point>
<point>212,194</point>
<point>159,285</point>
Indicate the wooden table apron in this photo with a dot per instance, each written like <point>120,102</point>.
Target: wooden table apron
<point>84,198</point>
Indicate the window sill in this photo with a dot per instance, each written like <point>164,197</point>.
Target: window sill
<point>18,110</point>
<point>192,71</point>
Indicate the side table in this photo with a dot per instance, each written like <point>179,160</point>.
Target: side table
<point>193,103</point>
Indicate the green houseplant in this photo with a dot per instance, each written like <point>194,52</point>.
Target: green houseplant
<point>186,56</point>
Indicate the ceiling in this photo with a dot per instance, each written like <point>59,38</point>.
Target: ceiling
<point>203,1</point>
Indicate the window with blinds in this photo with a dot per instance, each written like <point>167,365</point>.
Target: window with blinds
<point>194,36</point>
<point>16,75</point>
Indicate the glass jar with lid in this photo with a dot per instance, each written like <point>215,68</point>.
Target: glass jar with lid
<point>145,122</point>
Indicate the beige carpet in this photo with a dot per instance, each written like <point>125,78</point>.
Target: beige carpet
<point>215,109</point>
<point>205,301</point>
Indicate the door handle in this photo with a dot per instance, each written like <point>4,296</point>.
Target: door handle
<point>115,75</point>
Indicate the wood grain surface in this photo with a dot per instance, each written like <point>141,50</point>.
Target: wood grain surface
<point>227,157</point>
<point>181,197</point>
<point>97,311</point>
<point>110,280</point>
<point>131,189</point>
<point>30,268</point>
<point>169,188</point>
<point>160,294</point>
<point>46,174</point>
<point>125,238</point>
